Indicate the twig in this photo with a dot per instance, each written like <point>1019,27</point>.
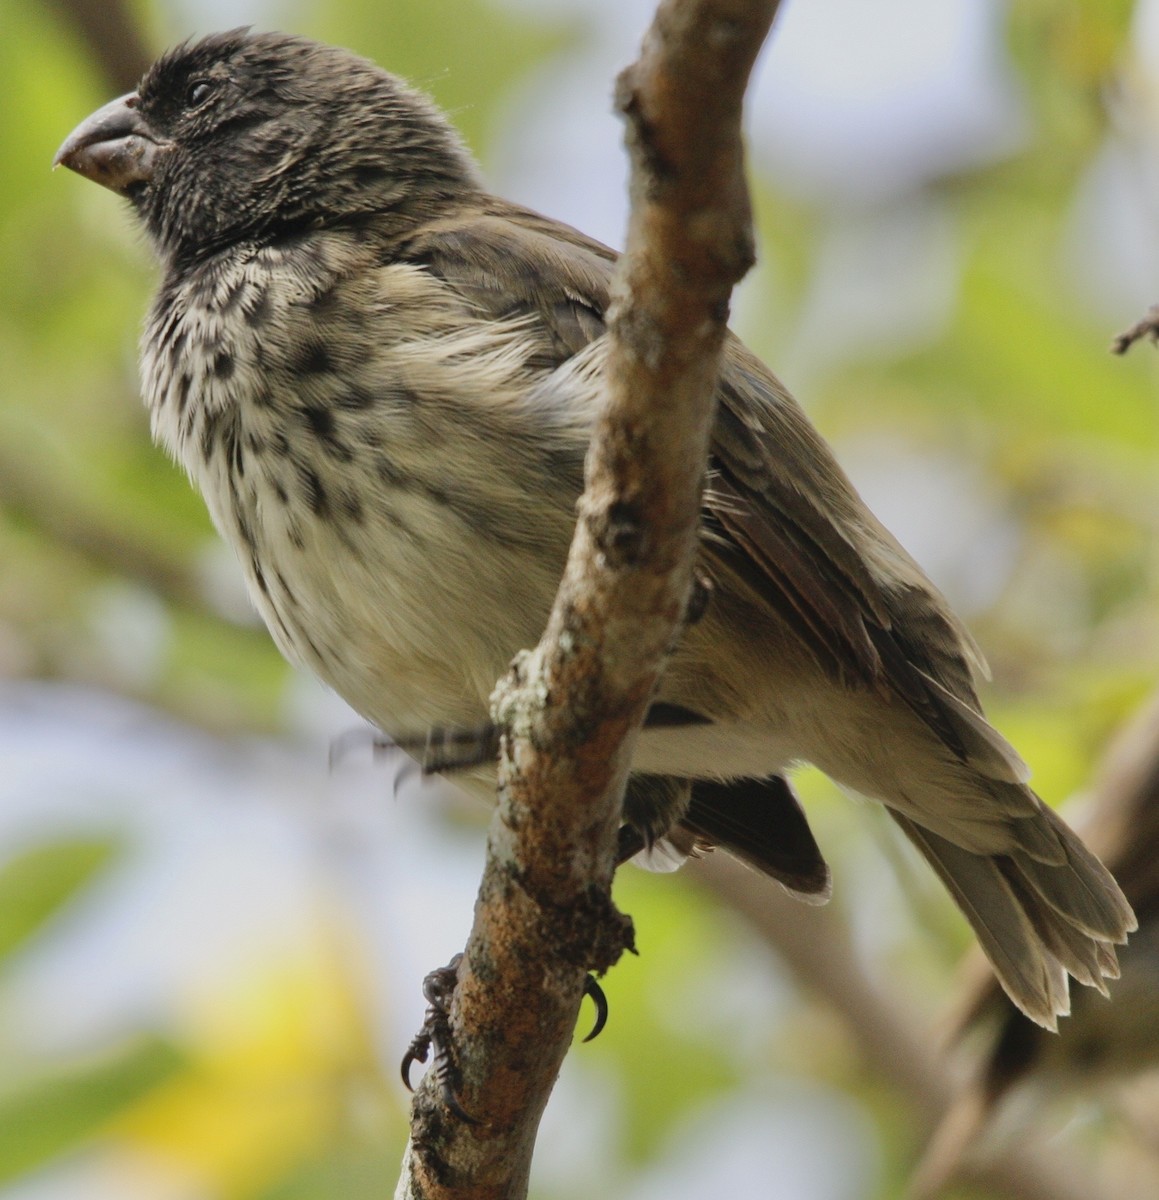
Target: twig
<point>571,708</point>
<point>1146,327</point>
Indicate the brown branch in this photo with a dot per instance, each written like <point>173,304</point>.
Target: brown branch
<point>815,944</point>
<point>111,35</point>
<point>571,709</point>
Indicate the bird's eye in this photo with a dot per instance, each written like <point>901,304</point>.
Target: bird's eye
<point>198,93</point>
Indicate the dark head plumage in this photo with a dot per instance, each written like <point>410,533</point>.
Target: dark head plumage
<point>245,136</point>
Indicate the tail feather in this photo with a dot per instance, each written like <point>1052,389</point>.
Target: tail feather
<point>1043,907</point>
<point>1084,892</point>
<point>1037,840</point>
<point>1080,954</point>
<point>1031,974</point>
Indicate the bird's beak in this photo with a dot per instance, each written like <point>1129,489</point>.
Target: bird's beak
<point>114,147</point>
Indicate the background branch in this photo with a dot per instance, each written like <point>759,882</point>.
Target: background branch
<point>571,709</point>
<point>32,494</point>
<point>887,1030</point>
<point>1099,1042</point>
<point>110,32</point>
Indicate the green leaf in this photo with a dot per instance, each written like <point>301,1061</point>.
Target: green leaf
<point>353,1173</point>
<point>43,1118</point>
<point>39,881</point>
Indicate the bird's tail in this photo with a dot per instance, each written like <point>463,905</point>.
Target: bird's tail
<point>1040,913</point>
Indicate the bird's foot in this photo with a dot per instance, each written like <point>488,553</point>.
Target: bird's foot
<point>442,750</point>
<point>435,1034</point>
<point>445,749</point>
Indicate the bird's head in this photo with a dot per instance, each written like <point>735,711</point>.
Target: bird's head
<point>244,136</point>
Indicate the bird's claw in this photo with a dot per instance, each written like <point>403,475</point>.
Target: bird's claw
<point>380,746</point>
<point>435,1034</point>
<point>593,989</point>
<point>346,743</point>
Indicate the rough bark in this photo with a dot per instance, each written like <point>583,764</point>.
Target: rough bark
<point>570,710</point>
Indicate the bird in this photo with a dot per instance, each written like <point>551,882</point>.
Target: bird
<point>1104,1041</point>
<point>383,379</point>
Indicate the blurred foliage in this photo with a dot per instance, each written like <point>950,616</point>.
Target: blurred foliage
<point>45,1112</point>
<point>51,1115</point>
<point>37,882</point>
<point>278,1065</point>
<point>479,51</point>
<point>112,576</point>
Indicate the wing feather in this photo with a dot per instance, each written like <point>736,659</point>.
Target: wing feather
<point>780,516</point>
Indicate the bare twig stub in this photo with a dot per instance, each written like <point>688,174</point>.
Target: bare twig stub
<point>572,707</point>
<point>1146,327</point>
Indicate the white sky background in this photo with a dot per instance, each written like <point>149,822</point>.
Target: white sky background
<point>856,106</point>
<point>851,103</point>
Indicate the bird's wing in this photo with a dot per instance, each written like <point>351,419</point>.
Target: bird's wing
<point>511,263</point>
<point>780,516</point>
